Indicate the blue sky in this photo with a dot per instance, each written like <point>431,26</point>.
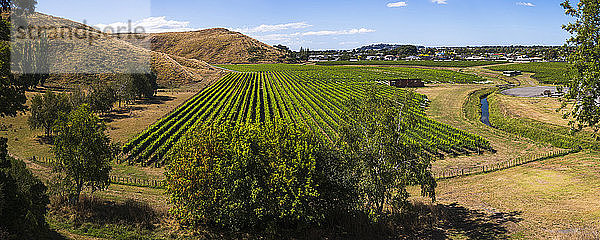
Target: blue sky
<point>337,24</point>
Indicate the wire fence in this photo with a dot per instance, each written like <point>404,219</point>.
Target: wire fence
<point>444,174</point>
<point>120,180</point>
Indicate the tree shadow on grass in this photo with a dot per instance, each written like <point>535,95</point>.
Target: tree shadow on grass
<point>455,220</point>
<point>100,212</point>
<point>421,221</point>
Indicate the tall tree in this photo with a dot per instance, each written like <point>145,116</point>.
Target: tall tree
<point>46,109</point>
<point>585,83</point>
<point>374,135</point>
<point>83,152</point>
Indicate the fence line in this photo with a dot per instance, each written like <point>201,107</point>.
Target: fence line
<point>120,180</point>
<point>445,174</point>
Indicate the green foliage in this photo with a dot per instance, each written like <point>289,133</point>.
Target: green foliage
<point>255,175</point>
<point>585,84</point>
<point>23,200</point>
<point>83,152</point>
<point>375,137</point>
<point>102,98</point>
<point>12,93</point>
<point>47,109</point>
<point>428,63</point>
<point>545,72</point>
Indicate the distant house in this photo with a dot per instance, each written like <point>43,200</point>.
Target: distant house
<point>317,58</point>
<point>403,83</point>
<point>511,73</point>
<point>372,58</point>
<point>412,58</point>
<point>390,58</point>
<point>475,58</point>
<point>353,60</point>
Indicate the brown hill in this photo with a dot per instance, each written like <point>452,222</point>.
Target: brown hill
<point>216,46</point>
<point>78,53</point>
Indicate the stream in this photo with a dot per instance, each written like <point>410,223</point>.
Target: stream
<point>485,112</point>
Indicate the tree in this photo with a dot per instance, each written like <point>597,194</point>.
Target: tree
<point>12,94</point>
<point>374,136</point>
<point>46,109</point>
<point>585,83</point>
<point>255,176</point>
<point>23,200</point>
<point>83,152</point>
<point>102,98</point>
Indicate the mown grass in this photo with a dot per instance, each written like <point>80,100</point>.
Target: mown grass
<point>555,198</point>
<point>556,135</point>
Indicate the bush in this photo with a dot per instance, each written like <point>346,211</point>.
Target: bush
<point>255,176</point>
<point>23,200</point>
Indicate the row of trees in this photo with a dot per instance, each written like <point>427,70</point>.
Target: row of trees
<point>49,108</point>
<point>23,197</point>
<point>252,176</point>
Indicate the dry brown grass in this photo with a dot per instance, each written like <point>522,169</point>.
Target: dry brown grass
<point>556,199</point>
<point>217,46</point>
<point>542,109</point>
<point>76,61</point>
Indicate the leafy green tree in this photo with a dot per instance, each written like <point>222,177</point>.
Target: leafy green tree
<point>83,152</point>
<point>585,84</point>
<point>12,94</point>
<point>144,84</point>
<point>374,136</point>
<point>255,176</point>
<point>23,200</point>
<point>46,109</point>
<point>102,98</point>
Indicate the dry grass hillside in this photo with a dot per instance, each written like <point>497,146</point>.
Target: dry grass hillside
<point>86,54</point>
<point>215,46</point>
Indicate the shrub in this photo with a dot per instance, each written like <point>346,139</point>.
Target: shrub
<point>23,200</point>
<point>255,176</point>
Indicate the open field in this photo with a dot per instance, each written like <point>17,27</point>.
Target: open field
<point>457,64</point>
<point>544,72</point>
<point>555,198</point>
<point>557,135</point>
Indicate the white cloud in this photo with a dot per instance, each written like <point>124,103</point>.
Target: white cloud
<point>440,1</point>
<point>526,4</point>
<point>397,4</point>
<point>339,32</point>
<point>148,25</point>
<point>274,28</point>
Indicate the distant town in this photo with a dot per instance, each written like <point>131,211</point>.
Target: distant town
<point>390,52</point>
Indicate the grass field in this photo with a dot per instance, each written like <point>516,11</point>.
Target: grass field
<point>544,72</point>
<point>552,199</point>
<point>457,64</point>
<point>557,135</point>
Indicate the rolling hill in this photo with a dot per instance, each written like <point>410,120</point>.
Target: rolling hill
<point>78,53</point>
<point>215,46</point>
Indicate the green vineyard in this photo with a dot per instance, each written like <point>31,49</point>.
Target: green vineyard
<point>306,97</point>
<point>545,72</point>
<point>364,73</point>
